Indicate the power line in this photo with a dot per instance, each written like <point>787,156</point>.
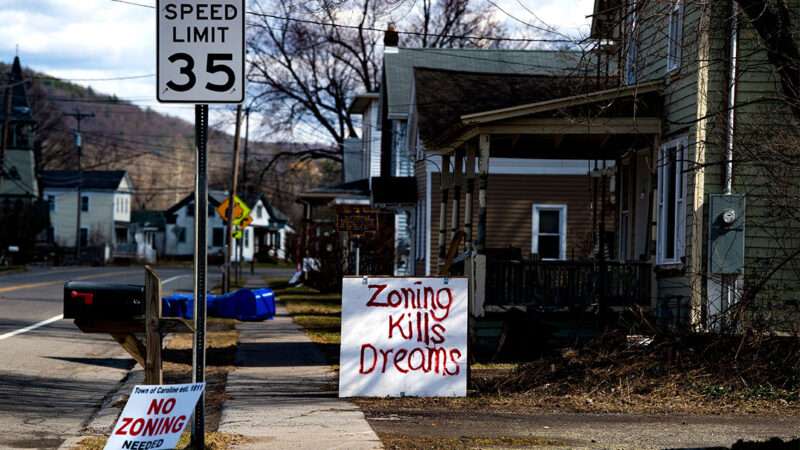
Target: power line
<point>119,78</point>
<point>382,30</point>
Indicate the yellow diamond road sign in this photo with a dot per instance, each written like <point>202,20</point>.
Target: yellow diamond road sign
<point>240,210</point>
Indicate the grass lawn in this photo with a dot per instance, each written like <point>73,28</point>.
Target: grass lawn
<point>319,314</point>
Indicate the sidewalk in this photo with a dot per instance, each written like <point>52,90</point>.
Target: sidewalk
<point>283,395</point>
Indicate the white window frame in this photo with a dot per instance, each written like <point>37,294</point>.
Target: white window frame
<point>632,47</point>
<point>562,228</point>
<point>679,146</point>
<point>674,40</point>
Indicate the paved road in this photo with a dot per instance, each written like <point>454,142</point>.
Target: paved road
<point>52,376</point>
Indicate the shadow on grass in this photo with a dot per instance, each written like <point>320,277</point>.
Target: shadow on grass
<point>115,363</point>
<point>215,356</point>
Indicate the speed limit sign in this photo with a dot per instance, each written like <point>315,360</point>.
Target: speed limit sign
<point>200,57</point>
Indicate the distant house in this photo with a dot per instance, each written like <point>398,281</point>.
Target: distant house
<point>271,229</point>
<point>21,216</point>
<point>105,207</point>
<point>179,235</point>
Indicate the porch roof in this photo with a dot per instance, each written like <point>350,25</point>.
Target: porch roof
<point>561,114</point>
<point>358,189</point>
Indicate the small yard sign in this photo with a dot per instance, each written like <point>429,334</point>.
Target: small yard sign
<point>200,56</point>
<point>403,337</point>
<point>155,416</point>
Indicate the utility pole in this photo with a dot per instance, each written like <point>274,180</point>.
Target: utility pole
<point>244,181</point>
<point>78,116</point>
<point>246,153</point>
<point>234,180</point>
<point>245,189</point>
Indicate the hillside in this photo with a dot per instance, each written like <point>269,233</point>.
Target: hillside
<point>156,149</point>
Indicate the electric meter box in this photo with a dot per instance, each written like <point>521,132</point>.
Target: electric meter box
<point>726,234</point>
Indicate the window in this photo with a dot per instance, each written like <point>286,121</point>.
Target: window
<point>84,237</point>
<point>51,202</point>
<point>675,37</point>
<point>218,237</point>
<point>671,202</point>
<point>190,210</point>
<point>180,232</point>
<point>632,51</point>
<point>259,211</point>
<point>277,238</point>
<point>84,203</point>
<point>550,232</point>
<point>121,235</point>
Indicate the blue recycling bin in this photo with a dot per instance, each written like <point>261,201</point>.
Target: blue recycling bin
<point>244,305</point>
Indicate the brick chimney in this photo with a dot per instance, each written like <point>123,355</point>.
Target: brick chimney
<point>390,39</point>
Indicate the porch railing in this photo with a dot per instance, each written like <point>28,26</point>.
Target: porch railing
<point>566,284</point>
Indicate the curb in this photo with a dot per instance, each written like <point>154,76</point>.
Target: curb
<point>103,420</point>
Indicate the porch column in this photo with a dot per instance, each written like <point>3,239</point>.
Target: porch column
<point>444,183</point>
<point>479,261</point>
<point>484,144</point>
<point>468,212</point>
<point>457,182</point>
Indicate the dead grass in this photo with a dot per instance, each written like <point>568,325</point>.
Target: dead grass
<point>319,314</point>
<point>321,329</point>
<point>399,441</point>
<point>691,374</point>
<point>214,441</point>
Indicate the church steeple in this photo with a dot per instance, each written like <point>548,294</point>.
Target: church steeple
<point>16,117</point>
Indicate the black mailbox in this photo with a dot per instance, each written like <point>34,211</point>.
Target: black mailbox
<point>105,301</point>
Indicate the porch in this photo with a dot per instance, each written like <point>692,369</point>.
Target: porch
<point>598,127</point>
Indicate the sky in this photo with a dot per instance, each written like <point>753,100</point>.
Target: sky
<point>89,40</point>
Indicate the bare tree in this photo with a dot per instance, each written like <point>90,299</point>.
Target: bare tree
<point>308,59</point>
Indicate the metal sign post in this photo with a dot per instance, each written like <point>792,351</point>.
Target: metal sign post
<point>200,59</point>
<point>200,269</point>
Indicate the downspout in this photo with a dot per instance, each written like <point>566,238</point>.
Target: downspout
<point>734,36</point>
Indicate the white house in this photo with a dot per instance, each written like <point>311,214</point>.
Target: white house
<point>105,207</point>
<point>270,227</point>
<point>179,239</point>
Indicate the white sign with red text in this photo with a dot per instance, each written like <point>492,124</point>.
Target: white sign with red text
<point>403,337</point>
<point>155,416</point>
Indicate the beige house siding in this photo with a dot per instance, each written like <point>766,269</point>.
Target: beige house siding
<point>510,201</point>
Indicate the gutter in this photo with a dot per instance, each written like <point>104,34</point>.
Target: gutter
<point>729,143</point>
